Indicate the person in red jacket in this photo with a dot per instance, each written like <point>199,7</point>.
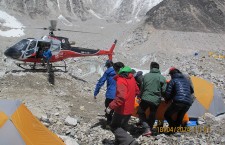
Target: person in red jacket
<point>123,104</point>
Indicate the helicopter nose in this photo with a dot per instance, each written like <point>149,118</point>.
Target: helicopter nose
<point>13,53</point>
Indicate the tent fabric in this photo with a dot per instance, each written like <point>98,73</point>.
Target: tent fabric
<point>196,110</point>
<point>9,107</point>
<point>204,91</point>
<point>31,130</point>
<point>22,128</point>
<point>3,119</point>
<point>9,135</point>
<point>217,106</point>
<point>208,99</point>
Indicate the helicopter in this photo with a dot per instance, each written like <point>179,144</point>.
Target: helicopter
<point>29,51</point>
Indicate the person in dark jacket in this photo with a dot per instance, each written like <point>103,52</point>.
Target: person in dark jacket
<point>110,94</point>
<point>180,91</point>
<point>138,77</point>
<point>123,104</point>
<point>154,86</point>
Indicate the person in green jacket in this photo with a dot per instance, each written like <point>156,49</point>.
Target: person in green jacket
<point>154,86</point>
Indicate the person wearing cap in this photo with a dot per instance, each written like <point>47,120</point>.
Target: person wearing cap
<point>107,77</point>
<point>154,87</point>
<point>180,91</point>
<point>123,104</point>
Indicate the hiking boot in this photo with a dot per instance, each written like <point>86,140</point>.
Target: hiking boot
<point>147,132</point>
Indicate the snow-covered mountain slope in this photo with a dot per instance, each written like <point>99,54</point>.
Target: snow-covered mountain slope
<point>10,26</point>
<point>117,10</point>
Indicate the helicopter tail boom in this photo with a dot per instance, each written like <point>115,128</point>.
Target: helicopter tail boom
<point>111,50</point>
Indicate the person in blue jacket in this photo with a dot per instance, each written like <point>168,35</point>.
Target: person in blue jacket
<point>108,76</point>
<point>47,54</point>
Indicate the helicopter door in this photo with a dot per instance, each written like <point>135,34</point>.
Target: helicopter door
<point>31,49</point>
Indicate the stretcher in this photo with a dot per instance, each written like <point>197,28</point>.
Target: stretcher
<point>160,112</point>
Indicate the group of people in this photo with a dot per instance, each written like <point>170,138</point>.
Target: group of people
<point>125,84</point>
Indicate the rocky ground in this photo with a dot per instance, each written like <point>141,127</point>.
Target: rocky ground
<point>192,15</point>
<point>68,108</point>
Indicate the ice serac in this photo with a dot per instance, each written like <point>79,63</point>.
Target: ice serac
<point>188,15</point>
<point>121,9</point>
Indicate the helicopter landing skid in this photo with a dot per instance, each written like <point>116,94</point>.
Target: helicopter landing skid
<point>39,67</point>
<point>63,66</point>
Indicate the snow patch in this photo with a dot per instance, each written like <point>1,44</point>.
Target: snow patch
<point>153,3</point>
<point>128,22</point>
<point>145,59</point>
<point>164,73</point>
<point>94,14</point>
<point>9,21</point>
<point>143,70</point>
<point>143,6</point>
<point>58,5</point>
<point>64,20</point>
<point>92,67</point>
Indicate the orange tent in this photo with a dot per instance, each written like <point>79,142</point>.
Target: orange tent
<point>19,127</point>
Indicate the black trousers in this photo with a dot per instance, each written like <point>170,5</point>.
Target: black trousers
<point>147,123</point>
<point>178,108</point>
<point>108,116</point>
<point>119,126</point>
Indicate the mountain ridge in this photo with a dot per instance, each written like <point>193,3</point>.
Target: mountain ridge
<point>192,15</point>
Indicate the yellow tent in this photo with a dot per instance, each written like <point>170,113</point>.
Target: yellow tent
<point>19,127</point>
<point>208,99</point>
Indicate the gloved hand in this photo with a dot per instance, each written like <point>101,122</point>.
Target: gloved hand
<point>108,110</point>
<point>138,100</point>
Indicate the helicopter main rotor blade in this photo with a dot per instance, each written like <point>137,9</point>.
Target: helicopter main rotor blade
<point>77,31</point>
<point>53,29</point>
<point>44,28</point>
<point>30,28</point>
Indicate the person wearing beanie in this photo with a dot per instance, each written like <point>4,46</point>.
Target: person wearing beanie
<point>123,104</point>
<point>180,91</point>
<point>154,87</point>
<point>110,94</point>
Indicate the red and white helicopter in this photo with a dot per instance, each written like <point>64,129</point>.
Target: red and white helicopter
<point>29,51</point>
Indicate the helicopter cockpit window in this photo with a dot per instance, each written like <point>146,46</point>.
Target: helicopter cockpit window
<point>32,45</point>
<point>31,48</point>
<point>22,45</point>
